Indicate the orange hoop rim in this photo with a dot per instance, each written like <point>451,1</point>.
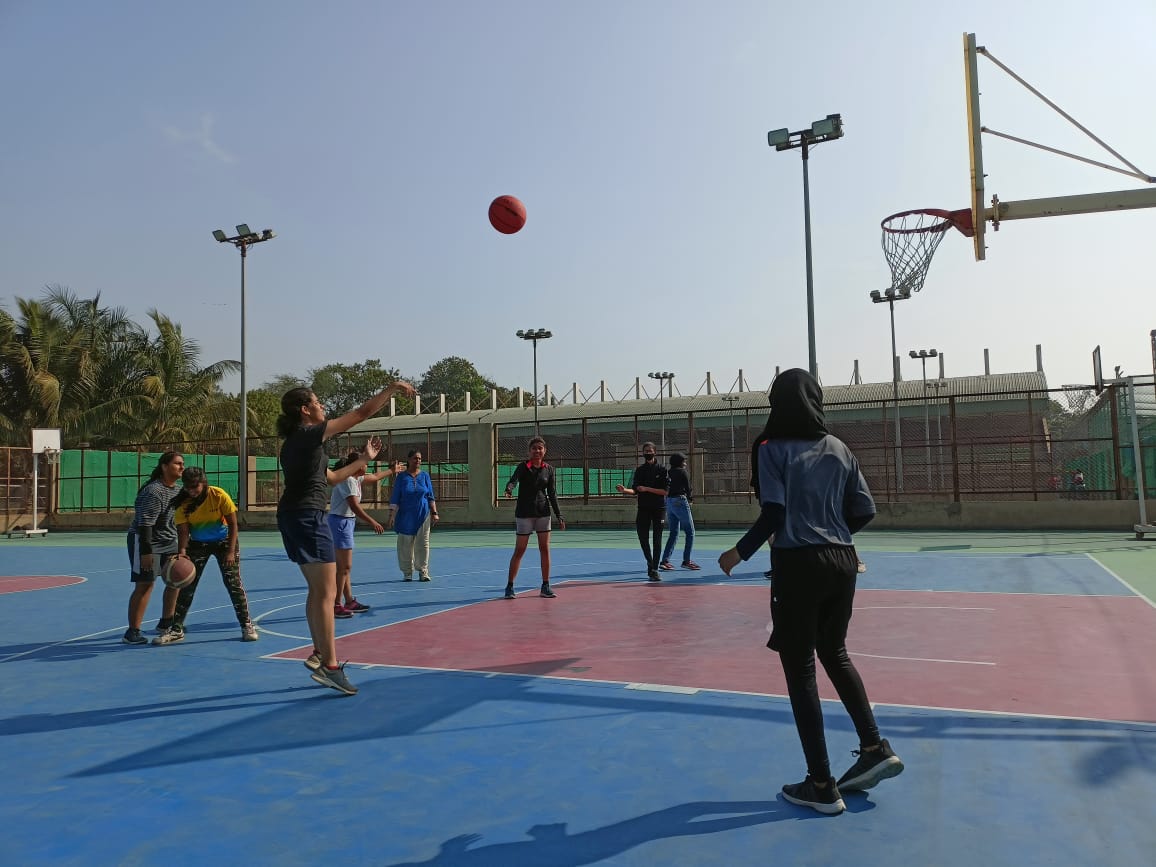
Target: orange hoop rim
<point>961,220</point>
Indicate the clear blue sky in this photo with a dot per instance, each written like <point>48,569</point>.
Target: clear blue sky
<point>663,233</point>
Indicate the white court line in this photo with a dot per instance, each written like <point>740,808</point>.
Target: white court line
<point>920,608</point>
<point>1121,580</point>
<point>921,659</point>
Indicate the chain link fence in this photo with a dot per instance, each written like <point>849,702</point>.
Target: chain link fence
<point>1066,443</point>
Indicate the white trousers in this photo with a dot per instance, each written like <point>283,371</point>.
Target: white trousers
<point>413,551</point>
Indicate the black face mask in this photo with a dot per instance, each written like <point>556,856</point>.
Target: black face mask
<point>649,457</point>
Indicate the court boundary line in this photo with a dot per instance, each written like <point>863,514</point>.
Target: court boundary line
<point>1112,572</point>
<point>1147,725</point>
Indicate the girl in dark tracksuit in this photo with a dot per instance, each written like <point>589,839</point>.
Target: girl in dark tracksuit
<point>813,498</point>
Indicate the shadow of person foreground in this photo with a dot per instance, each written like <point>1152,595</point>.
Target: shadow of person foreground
<point>552,846</point>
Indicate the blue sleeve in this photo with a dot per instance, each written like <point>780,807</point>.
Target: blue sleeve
<point>428,482</point>
<point>858,504</point>
<point>772,486</point>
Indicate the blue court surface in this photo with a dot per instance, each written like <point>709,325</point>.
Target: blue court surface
<point>214,751</point>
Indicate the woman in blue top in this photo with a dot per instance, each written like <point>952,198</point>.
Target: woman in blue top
<point>813,498</point>
<point>412,512</point>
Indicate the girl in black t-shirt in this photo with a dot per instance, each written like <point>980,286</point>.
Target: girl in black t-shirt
<point>301,511</point>
<point>537,496</point>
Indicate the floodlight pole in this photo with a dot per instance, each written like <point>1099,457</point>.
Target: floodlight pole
<point>890,297</point>
<point>242,241</point>
<point>937,385</point>
<point>827,129</point>
<point>730,399</point>
<point>534,335</point>
<point>663,378</point>
<point>923,355</point>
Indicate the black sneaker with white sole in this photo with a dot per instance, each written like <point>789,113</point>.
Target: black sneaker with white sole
<point>133,636</point>
<point>826,800</point>
<point>871,768</point>
<point>547,592</point>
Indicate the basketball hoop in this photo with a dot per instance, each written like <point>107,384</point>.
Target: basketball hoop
<point>52,457</point>
<point>910,239</point>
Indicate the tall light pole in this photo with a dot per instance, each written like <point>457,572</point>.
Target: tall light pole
<point>938,384</point>
<point>730,399</point>
<point>923,355</point>
<point>534,335</point>
<point>827,129</point>
<point>244,239</point>
<point>663,378</point>
<point>890,297</point>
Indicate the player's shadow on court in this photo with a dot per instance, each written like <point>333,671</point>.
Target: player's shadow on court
<point>552,846</point>
<point>69,651</point>
<point>54,722</point>
<point>386,708</point>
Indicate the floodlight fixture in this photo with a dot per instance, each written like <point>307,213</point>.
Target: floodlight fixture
<point>827,129</point>
<point>244,239</point>
<point>534,335</point>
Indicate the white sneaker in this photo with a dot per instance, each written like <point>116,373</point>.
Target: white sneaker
<point>249,632</point>
<point>172,636</point>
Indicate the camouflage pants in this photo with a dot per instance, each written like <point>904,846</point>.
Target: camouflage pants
<point>199,553</point>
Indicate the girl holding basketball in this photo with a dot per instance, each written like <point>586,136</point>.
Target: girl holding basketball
<point>301,511</point>
<point>152,538</point>
<point>206,521</point>
<point>813,498</point>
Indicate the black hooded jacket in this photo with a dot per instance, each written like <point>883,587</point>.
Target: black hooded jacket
<point>796,414</point>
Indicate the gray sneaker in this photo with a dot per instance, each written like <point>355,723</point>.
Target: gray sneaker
<point>172,636</point>
<point>133,636</point>
<point>334,678</point>
<point>249,632</point>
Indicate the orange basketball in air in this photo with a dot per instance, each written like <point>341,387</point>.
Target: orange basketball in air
<point>507,214</point>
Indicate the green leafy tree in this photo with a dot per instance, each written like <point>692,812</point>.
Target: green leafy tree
<point>182,399</point>
<point>455,377</point>
<point>342,387</point>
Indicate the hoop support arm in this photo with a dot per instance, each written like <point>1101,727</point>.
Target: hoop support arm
<point>1059,206</point>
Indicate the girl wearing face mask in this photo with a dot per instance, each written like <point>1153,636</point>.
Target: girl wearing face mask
<point>649,484</point>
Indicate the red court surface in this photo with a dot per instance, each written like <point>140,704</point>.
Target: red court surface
<point>1053,655</point>
<point>24,583</point>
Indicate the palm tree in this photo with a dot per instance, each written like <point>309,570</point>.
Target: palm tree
<point>69,363</point>
<point>182,400</point>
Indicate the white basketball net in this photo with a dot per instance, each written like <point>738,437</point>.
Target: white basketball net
<point>910,240</point>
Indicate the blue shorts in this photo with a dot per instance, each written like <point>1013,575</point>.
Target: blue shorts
<point>341,529</point>
<point>306,537</point>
